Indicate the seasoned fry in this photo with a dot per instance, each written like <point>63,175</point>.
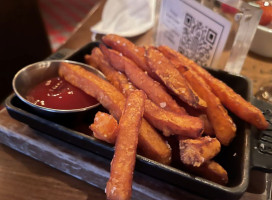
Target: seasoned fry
<point>212,171</point>
<point>116,78</point>
<point>224,127</point>
<point>157,89</point>
<point>172,123</point>
<point>112,57</point>
<point>89,60</point>
<point>104,127</point>
<point>119,186</point>
<point>151,144</point>
<point>141,80</point>
<point>208,128</point>
<point>173,56</point>
<point>171,77</point>
<point>103,91</point>
<point>222,123</point>
<point>168,122</point>
<point>114,101</point>
<point>197,151</point>
<point>128,49</point>
<point>233,101</point>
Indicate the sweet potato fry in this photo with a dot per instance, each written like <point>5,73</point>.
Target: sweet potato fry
<point>89,60</point>
<point>128,49</point>
<point>114,101</point>
<point>151,144</point>
<point>168,122</point>
<point>233,101</point>
<point>208,128</point>
<point>223,125</point>
<point>116,78</point>
<point>104,127</point>
<point>171,77</point>
<point>175,57</point>
<point>141,80</point>
<point>103,91</point>
<point>212,171</point>
<point>113,58</point>
<point>197,151</point>
<point>119,186</point>
<point>171,123</point>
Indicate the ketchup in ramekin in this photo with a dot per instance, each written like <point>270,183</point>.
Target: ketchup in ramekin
<point>57,93</point>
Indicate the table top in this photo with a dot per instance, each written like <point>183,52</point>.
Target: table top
<point>22,177</point>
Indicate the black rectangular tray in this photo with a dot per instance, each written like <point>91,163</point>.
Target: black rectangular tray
<point>236,158</point>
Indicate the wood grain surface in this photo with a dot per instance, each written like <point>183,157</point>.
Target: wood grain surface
<point>23,178</point>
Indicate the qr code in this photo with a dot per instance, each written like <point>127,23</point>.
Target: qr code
<point>197,40</point>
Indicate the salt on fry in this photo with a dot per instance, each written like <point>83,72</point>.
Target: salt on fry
<point>223,125</point>
<point>103,91</point>
<point>151,144</point>
<point>104,127</point>
<point>171,77</point>
<point>171,123</point>
<point>116,78</point>
<point>127,48</point>
<point>233,101</point>
<point>119,186</point>
<point>166,121</point>
<point>154,90</point>
<point>197,151</point>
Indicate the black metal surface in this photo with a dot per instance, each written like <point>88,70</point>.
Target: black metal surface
<point>238,178</point>
<point>261,141</point>
<point>234,158</point>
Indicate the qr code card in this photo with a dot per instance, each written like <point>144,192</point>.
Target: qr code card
<point>193,29</point>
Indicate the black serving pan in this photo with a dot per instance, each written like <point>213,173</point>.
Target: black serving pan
<point>250,148</point>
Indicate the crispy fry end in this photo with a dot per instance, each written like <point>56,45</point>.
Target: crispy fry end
<point>171,77</point>
<point>195,152</point>
<point>151,144</point>
<point>212,171</point>
<point>104,127</point>
<point>179,100</point>
<point>119,186</point>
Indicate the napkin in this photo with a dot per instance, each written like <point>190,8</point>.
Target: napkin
<point>127,18</point>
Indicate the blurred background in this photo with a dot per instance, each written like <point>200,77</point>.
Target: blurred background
<point>31,30</point>
<point>61,17</point>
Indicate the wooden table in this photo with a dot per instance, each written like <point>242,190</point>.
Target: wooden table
<point>22,177</point>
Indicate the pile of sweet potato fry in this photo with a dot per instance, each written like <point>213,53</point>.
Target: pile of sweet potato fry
<point>154,94</point>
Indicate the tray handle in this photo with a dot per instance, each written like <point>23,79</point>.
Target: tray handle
<point>261,141</point>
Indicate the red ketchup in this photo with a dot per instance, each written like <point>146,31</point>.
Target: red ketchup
<point>57,93</point>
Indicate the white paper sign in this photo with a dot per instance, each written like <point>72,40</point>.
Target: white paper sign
<point>192,29</point>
